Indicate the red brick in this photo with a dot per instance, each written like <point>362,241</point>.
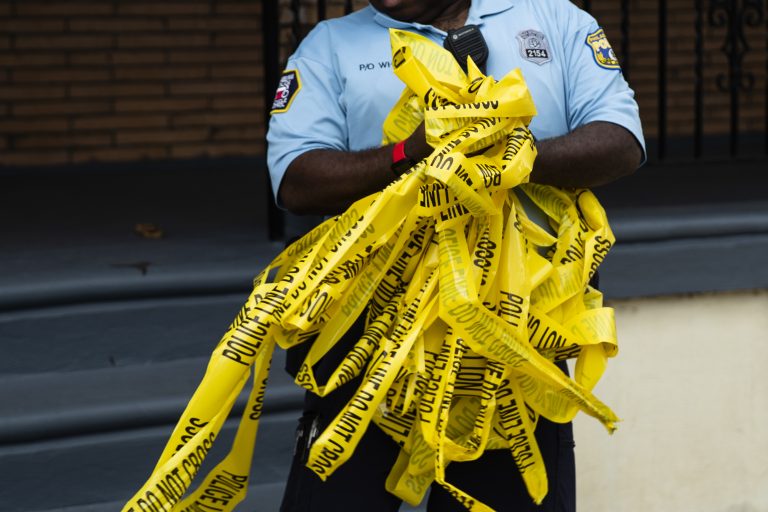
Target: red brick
<point>69,41</point>
<point>162,136</point>
<point>164,8</point>
<point>40,108</point>
<point>162,40</point>
<point>187,151</point>
<point>37,8</point>
<point>219,118</point>
<point>218,56</point>
<point>116,25</point>
<point>161,105</point>
<point>160,73</point>
<point>25,158</point>
<point>36,125</point>
<point>239,133</point>
<point>33,59</point>
<point>17,25</point>
<point>225,39</point>
<point>215,24</point>
<point>63,140</point>
<point>138,57</point>
<point>335,11</point>
<point>244,7</point>
<point>118,154</point>
<point>217,150</point>
<point>115,90</point>
<point>228,87</point>
<point>237,71</point>
<point>119,121</point>
<point>230,102</point>
<point>19,92</point>
<point>286,18</point>
<point>60,75</point>
<point>97,58</point>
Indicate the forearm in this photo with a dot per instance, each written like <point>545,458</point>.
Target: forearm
<point>324,181</point>
<point>594,154</point>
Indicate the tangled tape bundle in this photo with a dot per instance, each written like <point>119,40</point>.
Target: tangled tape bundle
<point>468,306</point>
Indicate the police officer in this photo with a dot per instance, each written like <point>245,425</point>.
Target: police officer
<point>324,153</point>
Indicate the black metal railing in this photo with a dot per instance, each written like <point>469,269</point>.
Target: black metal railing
<point>735,16</point>
<point>727,21</point>
<point>662,82</point>
<point>709,67</point>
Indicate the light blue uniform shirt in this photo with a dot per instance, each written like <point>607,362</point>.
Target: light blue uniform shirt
<point>343,85</point>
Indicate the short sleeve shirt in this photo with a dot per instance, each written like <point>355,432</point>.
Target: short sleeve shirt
<point>339,85</point>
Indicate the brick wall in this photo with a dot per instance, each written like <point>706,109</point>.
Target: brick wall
<point>103,81</point>
<point>84,81</point>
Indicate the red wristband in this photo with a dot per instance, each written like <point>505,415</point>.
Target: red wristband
<point>400,161</point>
<point>398,152</point>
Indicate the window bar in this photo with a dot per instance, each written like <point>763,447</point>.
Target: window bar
<point>762,16</point>
<point>270,20</point>
<point>321,10</point>
<point>734,76</point>
<point>698,73</point>
<point>625,38</point>
<point>662,81</point>
<point>296,23</point>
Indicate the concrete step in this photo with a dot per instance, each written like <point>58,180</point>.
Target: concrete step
<point>102,471</point>
<point>90,393</point>
<point>45,406</point>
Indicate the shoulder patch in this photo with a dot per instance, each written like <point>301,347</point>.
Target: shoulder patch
<point>601,50</point>
<point>287,87</point>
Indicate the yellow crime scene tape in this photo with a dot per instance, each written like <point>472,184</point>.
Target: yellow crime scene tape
<point>468,305</point>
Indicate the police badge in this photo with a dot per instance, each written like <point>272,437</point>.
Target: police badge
<point>601,50</point>
<point>534,46</point>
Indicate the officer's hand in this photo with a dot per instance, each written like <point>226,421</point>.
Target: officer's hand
<point>416,146</point>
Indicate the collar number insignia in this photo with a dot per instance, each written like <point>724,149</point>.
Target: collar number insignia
<point>287,87</point>
<point>534,46</point>
<point>601,50</point>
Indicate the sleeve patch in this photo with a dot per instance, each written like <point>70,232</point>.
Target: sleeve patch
<point>601,50</point>
<point>287,88</point>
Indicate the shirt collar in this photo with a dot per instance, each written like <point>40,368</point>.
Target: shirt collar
<point>477,10</point>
